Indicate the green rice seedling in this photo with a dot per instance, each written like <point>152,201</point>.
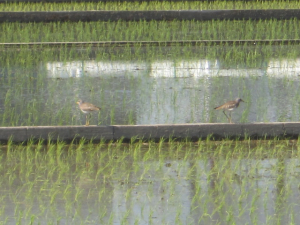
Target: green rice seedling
<point>187,5</point>
<point>111,217</point>
<point>104,160</point>
<point>156,30</point>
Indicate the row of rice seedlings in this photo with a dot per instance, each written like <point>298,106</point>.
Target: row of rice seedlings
<point>152,5</point>
<point>124,103</point>
<point>108,181</point>
<point>235,56</point>
<point>149,31</point>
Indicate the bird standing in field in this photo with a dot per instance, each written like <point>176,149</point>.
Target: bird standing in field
<point>229,106</point>
<point>87,108</point>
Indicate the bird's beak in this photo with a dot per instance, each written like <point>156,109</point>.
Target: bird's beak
<point>243,100</point>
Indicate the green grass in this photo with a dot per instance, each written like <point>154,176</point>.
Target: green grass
<point>153,5</point>
<point>149,31</point>
<point>199,182</point>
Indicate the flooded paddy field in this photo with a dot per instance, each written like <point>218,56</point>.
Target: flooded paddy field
<point>149,85</point>
<point>205,182</point>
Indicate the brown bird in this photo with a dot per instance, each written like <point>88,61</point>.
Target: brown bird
<point>87,108</point>
<point>229,106</point>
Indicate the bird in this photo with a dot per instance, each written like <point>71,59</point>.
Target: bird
<point>87,108</point>
<point>231,105</point>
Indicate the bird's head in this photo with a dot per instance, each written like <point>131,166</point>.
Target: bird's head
<point>239,100</point>
<point>79,102</point>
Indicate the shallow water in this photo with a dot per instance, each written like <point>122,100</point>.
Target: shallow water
<point>149,89</point>
<point>175,183</point>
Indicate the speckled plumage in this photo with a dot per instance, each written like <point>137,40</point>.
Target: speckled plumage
<point>231,105</point>
<point>87,108</point>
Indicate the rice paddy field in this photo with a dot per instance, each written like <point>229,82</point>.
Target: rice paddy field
<point>149,31</point>
<point>205,182</point>
<point>169,182</point>
<point>148,85</point>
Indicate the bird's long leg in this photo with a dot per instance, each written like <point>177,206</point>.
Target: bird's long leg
<point>230,117</point>
<point>90,116</point>
<point>87,121</point>
<point>226,115</point>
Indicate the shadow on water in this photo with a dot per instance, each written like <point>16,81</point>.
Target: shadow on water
<point>171,183</point>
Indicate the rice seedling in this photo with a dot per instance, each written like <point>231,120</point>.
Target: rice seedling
<point>149,31</point>
<point>153,5</point>
<point>233,69</point>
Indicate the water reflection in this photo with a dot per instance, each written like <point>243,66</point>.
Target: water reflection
<point>160,69</point>
<point>280,68</point>
<point>91,68</point>
<point>196,191</point>
<point>149,92</point>
<point>162,194</point>
<point>182,91</point>
<point>284,68</point>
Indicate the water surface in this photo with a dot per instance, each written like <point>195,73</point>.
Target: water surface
<point>142,88</point>
<point>175,183</point>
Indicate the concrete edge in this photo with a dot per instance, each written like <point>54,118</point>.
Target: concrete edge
<point>102,15</point>
<point>96,44</point>
<point>214,131</point>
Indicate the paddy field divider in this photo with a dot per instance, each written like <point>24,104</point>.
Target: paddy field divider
<point>159,15</point>
<point>195,131</point>
<point>96,44</point>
